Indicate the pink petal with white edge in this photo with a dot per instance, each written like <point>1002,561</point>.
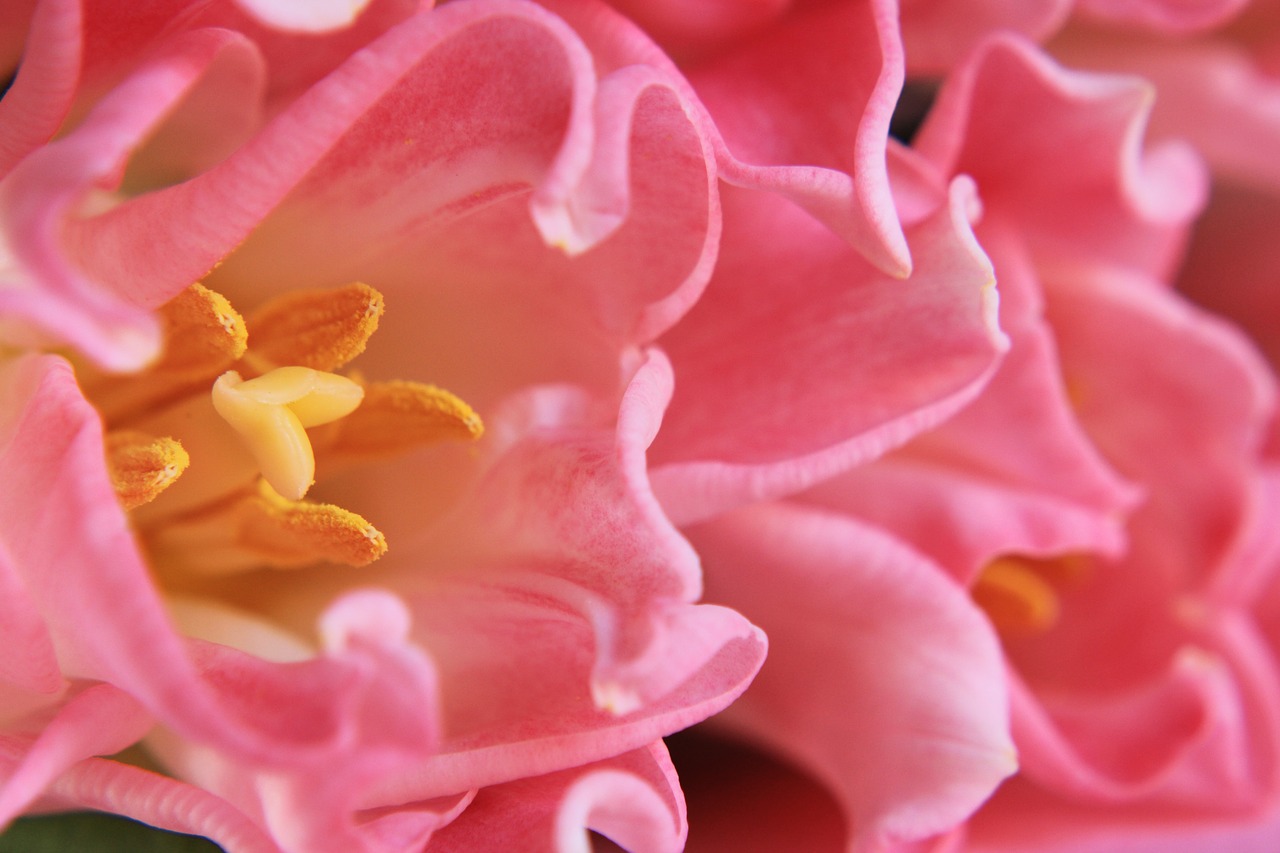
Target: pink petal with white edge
<point>883,678</point>
<point>810,149</point>
<point>787,131</point>
<point>1011,472</point>
<point>574,498</point>
<point>389,722</point>
<point>781,386</point>
<point>1212,95</point>
<point>1007,117</point>
<point>98,720</point>
<point>633,799</point>
<point>516,654</point>
<point>44,285</point>
<point>312,16</point>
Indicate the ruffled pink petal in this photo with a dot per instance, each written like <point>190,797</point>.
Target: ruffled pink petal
<point>633,799</point>
<point>883,678</point>
<point>156,800</point>
<point>388,721</point>
<point>1193,444</point>
<point>41,93</point>
<point>46,287</point>
<point>1198,737</point>
<point>516,654</point>
<point>766,369</point>
<point>939,34</point>
<point>1060,153</point>
<point>98,720</point>
<point>1172,17</point>
<point>804,107</point>
<point>1012,472</point>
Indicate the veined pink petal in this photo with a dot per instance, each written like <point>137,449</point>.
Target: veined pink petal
<point>767,368</point>
<point>633,799</point>
<point>883,678</point>
<point>156,800</point>
<point>1006,117</point>
<point>45,285</point>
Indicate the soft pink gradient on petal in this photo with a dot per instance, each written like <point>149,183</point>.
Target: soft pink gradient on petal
<point>883,678</point>
<point>939,34</point>
<point>1173,17</point>
<point>633,799</point>
<point>767,369</point>
<point>40,96</point>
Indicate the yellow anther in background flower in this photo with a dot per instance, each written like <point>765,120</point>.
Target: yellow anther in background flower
<point>271,412</point>
<point>320,329</point>
<point>397,417</point>
<point>1015,597</point>
<point>142,466</point>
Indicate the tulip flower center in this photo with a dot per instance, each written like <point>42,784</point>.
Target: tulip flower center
<point>213,449</point>
<point>1021,595</point>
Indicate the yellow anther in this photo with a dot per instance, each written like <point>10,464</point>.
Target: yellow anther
<point>271,412</point>
<point>1015,597</point>
<point>261,529</point>
<point>203,336</point>
<point>320,329</point>
<point>203,333</point>
<point>142,467</point>
<point>399,416</point>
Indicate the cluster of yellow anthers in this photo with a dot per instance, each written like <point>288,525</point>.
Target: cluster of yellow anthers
<point>235,464</point>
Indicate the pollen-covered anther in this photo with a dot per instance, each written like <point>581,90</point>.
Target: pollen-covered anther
<point>142,466</point>
<point>320,329</point>
<point>260,529</point>
<point>1015,597</point>
<point>271,413</point>
<point>398,416</point>
<point>203,336</point>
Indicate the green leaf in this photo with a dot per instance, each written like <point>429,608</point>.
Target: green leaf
<point>94,832</point>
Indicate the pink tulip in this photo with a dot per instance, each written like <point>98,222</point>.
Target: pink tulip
<point>532,632</point>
